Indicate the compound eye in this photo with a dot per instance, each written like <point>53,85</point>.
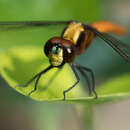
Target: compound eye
<point>47,47</point>
<point>55,50</point>
<point>69,53</point>
<point>69,50</point>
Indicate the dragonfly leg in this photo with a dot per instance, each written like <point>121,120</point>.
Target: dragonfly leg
<point>36,83</point>
<point>92,76</point>
<point>77,77</point>
<point>29,82</point>
<point>87,80</point>
<point>36,76</point>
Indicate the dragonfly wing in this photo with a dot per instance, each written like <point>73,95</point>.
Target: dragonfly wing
<point>29,24</point>
<point>120,47</point>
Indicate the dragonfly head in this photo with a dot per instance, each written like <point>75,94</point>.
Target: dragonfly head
<point>59,51</point>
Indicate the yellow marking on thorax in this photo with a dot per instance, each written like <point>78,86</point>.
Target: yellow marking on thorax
<point>73,31</point>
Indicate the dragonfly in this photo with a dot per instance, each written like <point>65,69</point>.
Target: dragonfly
<point>74,40</point>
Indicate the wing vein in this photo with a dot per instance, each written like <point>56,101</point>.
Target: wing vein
<point>120,47</point>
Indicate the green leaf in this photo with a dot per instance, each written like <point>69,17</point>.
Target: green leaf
<point>100,100</point>
<point>120,84</point>
<point>20,64</point>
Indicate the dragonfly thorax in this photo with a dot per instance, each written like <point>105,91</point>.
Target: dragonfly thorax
<point>73,31</point>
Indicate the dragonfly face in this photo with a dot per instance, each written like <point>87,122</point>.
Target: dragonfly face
<point>59,51</point>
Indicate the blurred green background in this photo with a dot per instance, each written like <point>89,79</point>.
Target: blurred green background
<point>20,112</point>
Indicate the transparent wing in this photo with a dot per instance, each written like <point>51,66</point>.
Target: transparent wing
<point>120,47</point>
<point>5,26</point>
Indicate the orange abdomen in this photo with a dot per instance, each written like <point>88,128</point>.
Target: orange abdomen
<point>106,26</point>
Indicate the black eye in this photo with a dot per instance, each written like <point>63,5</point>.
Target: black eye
<point>47,47</point>
<point>69,53</point>
<point>69,50</point>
